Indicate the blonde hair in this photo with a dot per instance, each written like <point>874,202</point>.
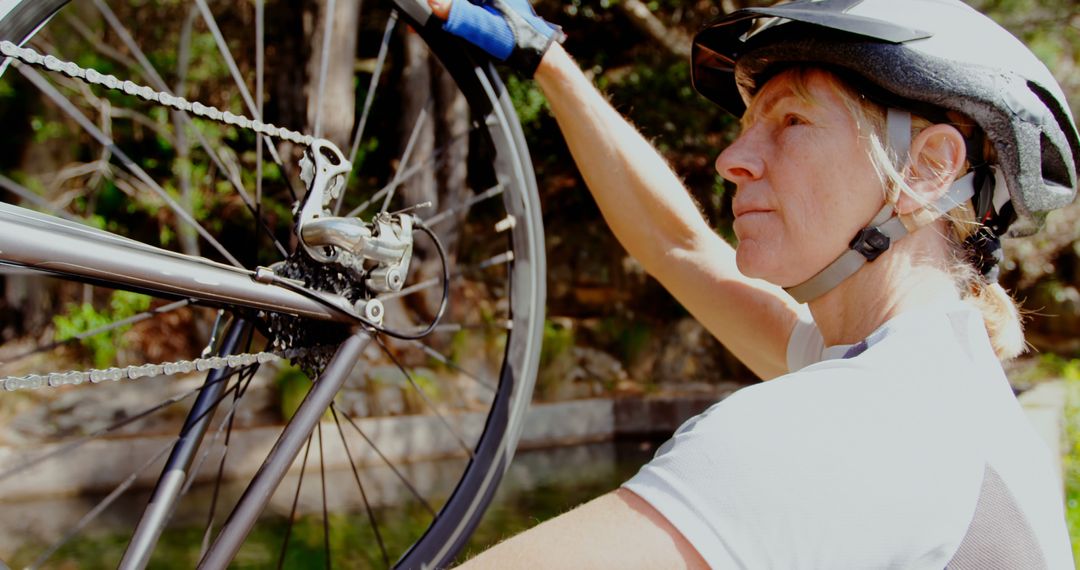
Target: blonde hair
<point>1000,314</point>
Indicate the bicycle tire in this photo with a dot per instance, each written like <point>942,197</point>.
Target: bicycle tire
<point>493,112</point>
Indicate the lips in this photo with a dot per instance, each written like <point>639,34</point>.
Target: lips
<point>741,208</point>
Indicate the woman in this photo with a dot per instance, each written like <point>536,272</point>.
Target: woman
<point>886,146</point>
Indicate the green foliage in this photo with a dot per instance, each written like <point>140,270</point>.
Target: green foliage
<point>558,340</point>
<point>625,338</point>
<point>1048,366</point>
<point>292,387</point>
<point>1070,371</point>
<point>6,91</point>
<point>426,382</point>
<point>529,102</point>
<point>363,151</point>
<point>556,359</point>
<point>1048,27</point>
<point>46,130</point>
<point>723,192</point>
<point>78,319</point>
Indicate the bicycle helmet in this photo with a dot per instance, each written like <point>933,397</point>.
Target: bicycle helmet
<point>922,56</point>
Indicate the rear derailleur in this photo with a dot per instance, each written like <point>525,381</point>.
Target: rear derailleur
<point>342,256</point>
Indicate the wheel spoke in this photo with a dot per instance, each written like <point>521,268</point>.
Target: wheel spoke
<point>434,160</point>
<point>164,309</point>
<point>292,511</point>
<point>363,494</point>
<point>412,489</point>
<point>498,324</point>
<point>75,444</point>
<point>324,63</point>
<point>498,259</point>
<point>223,48</point>
<point>445,360</point>
<point>180,122</point>
<point>415,287</point>
<point>423,395</point>
<point>260,63</point>
<point>369,98</point>
<point>227,424</point>
<point>69,108</point>
<point>447,214</point>
<point>99,46</point>
<point>405,156</point>
<point>99,508</point>
<point>32,197</point>
<point>125,36</point>
<point>322,479</point>
<point>158,83</point>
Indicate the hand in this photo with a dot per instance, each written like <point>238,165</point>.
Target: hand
<point>441,8</point>
<point>508,30</point>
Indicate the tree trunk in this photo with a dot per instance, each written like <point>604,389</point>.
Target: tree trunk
<point>330,114</point>
<point>188,237</point>
<point>452,126</point>
<point>294,57</point>
<point>417,125</point>
<point>288,24</point>
<point>441,146</point>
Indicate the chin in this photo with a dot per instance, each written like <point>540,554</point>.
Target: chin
<point>756,263</point>
<point>752,261</point>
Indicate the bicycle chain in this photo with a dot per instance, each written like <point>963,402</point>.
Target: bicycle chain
<point>141,371</point>
<point>94,77</point>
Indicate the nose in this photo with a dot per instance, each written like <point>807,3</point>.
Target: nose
<point>740,162</point>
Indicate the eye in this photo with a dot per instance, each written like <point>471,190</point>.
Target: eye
<point>793,120</point>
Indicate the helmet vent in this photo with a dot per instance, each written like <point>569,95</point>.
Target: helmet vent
<point>1064,122</point>
<point>1054,170</point>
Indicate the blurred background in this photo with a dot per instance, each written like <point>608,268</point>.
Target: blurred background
<point>611,331</point>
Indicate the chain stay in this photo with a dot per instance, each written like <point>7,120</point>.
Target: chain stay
<point>94,77</point>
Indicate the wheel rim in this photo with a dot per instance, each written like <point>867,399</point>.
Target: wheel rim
<point>483,273</point>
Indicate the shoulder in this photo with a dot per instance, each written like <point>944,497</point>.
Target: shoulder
<point>802,462</point>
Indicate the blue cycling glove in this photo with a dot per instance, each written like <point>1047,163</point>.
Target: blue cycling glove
<point>509,30</point>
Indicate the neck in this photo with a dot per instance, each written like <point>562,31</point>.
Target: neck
<point>911,274</point>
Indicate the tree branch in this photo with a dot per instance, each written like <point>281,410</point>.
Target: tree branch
<point>674,40</point>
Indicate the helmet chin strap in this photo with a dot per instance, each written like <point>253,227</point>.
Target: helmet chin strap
<point>886,227</point>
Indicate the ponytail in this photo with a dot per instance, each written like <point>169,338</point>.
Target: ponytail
<point>1001,318</point>
<point>1000,314</point>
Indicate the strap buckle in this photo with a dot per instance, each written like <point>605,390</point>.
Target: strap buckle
<point>870,243</point>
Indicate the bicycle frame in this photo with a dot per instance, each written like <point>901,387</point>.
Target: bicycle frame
<point>56,246</point>
<point>53,245</point>
<point>59,247</point>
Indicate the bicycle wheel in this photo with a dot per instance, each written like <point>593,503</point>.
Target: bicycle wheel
<point>457,396</point>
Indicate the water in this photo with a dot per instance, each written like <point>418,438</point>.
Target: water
<point>539,485</point>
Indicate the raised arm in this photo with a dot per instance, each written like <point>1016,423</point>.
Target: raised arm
<point>616,530</point>
<point>642,200</point>
<point>655,219</point>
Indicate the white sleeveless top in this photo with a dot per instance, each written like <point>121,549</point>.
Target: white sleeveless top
<point>907,450</point>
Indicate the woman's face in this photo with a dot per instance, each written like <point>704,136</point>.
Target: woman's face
<point>805,183</point>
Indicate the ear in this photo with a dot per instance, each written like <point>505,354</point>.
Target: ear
<point>937,159</point>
